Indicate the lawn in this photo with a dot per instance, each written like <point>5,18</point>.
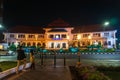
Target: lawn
<point>114,75</point>
<point>5,65</point>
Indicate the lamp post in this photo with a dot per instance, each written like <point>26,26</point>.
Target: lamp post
<point>78,37</point>
<point>106,24</point>
<point>78,63</point>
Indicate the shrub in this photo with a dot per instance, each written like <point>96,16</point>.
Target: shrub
<point>90,73</point>
<point>110,50</point>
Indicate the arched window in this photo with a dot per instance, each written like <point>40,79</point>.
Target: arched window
<point>52,45</point>
<point>34,44</point>
<point>28,44</point>
<point>38,44</point>
<point>64,45</point>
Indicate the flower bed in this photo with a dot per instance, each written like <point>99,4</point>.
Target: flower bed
<point>87,73</point>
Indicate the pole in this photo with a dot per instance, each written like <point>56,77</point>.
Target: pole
<point>64,60</point>
<point>54,59</point>
<point>41,58</point>
<point>79,57</point>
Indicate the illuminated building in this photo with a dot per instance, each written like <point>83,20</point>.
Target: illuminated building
<point>60,34</point>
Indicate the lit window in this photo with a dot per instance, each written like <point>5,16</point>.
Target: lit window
<point>11,35</point>
<point>106,34</point>
<point>31,36</point>
<point>21,36</point>
<point>51,36</point>
<point>109,42</point>
<point>63,35</point>
<point>64,45</point>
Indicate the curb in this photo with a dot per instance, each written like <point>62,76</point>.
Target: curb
<point>11,71</point>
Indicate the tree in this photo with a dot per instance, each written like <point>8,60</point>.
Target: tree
<point>12,47</point>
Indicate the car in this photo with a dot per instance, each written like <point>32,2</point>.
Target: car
<point>11,52</point>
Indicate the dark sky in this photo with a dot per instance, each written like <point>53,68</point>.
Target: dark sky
<point>40,13</point>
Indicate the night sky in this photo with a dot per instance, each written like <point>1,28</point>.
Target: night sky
<point>40,13</point>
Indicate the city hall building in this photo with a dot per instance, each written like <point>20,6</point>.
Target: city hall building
<point>59,34</point>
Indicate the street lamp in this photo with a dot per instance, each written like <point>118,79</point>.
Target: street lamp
<point>107,23</point>
<point>78,37</point>
<point>78,63</point>
<point>0,26</point>
<point>89,37</point>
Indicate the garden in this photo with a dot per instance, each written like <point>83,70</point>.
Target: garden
<point>84,72</point>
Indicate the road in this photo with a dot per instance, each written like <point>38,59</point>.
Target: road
<point>105,59</point>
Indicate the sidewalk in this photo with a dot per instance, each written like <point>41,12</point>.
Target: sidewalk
<point>43,73</point>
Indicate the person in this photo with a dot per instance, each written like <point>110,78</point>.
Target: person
<point>21,57</point>
<point>32,60</point>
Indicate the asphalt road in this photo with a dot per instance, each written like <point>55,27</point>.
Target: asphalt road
<point>87,58</point>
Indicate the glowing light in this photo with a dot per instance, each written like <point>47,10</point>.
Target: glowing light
<point>56,36</point>
<point>0,26</point>
<point>89,37</point>
<point>106,23</point>
<point>16,43</point>
<point>78,37</point>
<point>68,37</point>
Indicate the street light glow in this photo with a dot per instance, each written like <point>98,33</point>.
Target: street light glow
<point>78,37</point>
<point>106,23</point>
<point>0,26</point>
<point>89,37</point>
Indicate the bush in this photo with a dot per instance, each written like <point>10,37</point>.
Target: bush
<point>110,50</point>
<point>90,73</point>
<point>95,76</point>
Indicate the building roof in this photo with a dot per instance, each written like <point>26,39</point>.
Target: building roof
<point>26,29</point>
<point>59,23</point>
<point>58,26</point>
<point>91,28</point>
<point>57,30</point>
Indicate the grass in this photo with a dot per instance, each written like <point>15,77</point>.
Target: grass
<point>5,65</point>
<point>114,75</point>
<point>111,71</point>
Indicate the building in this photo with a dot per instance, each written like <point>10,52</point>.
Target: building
<point>60,34</point>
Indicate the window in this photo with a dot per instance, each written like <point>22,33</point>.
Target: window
<point>31,36</point>
<point>63,35</point>
<point>74,37</point>
<point>52,45</point>
<point>57,36</point>
<point>109,42</point>
<point>106,34</point>
<point>57,45</point>
<point>64,45</point>
<point>51,36</point>
<point>21,36</point>
<point>40,36</point>
<point>85,35</point>
<point>96,34</point>
<point>38,44</point>
<point>105,42</point>
<point>12,36</point>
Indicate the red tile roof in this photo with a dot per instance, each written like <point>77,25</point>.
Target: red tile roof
<point>59,23</point>
<point>91,28</point>
<point>26,29</point>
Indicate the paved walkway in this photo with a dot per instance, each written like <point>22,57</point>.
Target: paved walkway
<point>43,73</point>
